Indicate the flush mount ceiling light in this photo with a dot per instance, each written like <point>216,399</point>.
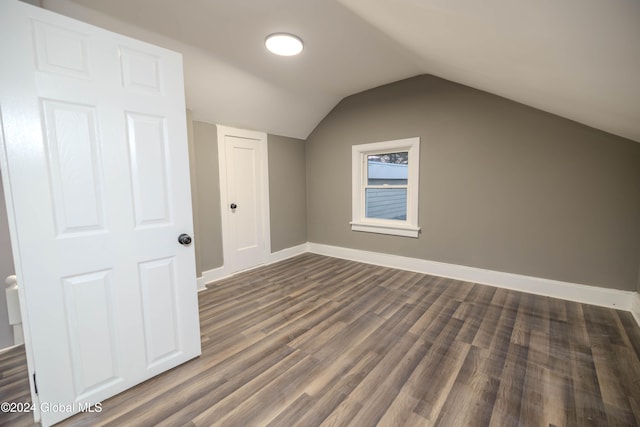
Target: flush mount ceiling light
<point>283,44</point>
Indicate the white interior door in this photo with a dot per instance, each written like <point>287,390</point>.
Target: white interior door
<point>244,191</point>
<point>95,168</point>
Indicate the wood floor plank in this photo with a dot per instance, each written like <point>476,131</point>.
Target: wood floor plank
<point>588,403</point>
<point>265,404</point>
<point>478,303</point>
<point>314,341</point>
<point>437,377</point>
<point>386,380</point>
<point>338,384</point>
<point>631,330</point>
<point>472,395</point>
<point>507,407</point>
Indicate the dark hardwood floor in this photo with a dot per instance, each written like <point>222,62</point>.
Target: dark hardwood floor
<point>318,341</point>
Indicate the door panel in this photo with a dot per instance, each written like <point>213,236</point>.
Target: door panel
<point>244,171</point>
<point>95,163</point>
<point>149,169</point>
<point>158,284</point>
<point>61,50</point>
<point>245,241</point>
<point>140,71</point>
<point>90,317</point>
<point>71,139</point>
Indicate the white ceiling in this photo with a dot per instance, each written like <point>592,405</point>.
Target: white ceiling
<point>579,59</point>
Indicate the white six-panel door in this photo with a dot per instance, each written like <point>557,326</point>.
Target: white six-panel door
<point>95,167</point>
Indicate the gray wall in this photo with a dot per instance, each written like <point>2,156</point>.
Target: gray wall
<point>6,269</point>
<point>193,177</point>
<point>287,190</point>
<point>208,237</point>
<point>502,186</point>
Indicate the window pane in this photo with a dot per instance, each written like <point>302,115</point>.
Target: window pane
<point>387,168</point>
<point>386,203</point>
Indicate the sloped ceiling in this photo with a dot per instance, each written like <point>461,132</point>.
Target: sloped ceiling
<point>579,59</point>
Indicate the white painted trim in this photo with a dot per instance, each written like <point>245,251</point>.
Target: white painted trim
<point>359,221</point>
<point>635,307</point>
<point>288,253</point>
<point>211,276</point>
<point>396,230</point>
<point>220,273</point>
<point>11,347</point>
<point>266,207</point>
<point>222,131</point>
<point>612,298</point>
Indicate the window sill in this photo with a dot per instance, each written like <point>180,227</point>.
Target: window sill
<point>395,230</point>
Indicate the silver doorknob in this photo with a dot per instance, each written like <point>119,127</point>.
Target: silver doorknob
<point>184,239</point>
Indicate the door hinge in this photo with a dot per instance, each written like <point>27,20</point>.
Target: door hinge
<point>35,384</point>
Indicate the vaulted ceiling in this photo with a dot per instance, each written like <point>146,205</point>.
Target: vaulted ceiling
<point>579,59</point>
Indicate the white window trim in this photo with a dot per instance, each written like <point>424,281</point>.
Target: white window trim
<point>359,222</point>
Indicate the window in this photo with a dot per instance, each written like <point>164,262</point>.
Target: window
<point>385,187</point>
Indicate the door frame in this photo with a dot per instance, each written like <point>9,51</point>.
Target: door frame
<point>261,137</point>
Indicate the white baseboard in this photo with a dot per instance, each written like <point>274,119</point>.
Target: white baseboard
<point>219,273</point>
<point>11,347</point>
<point>594,295</point>
<point>211,276</point>
<point>288,253</point>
